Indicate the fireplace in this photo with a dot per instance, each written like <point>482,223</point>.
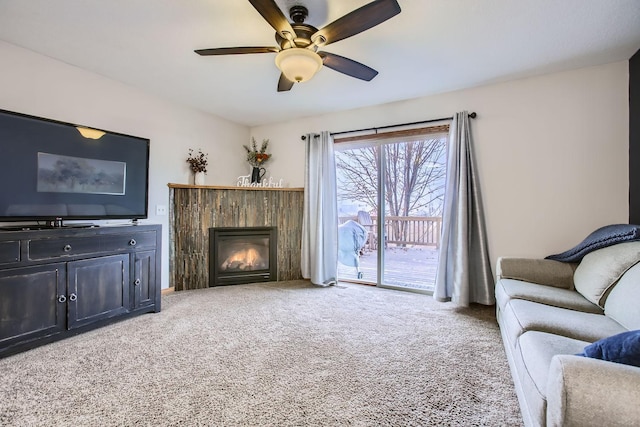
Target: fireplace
<point>242,255</point>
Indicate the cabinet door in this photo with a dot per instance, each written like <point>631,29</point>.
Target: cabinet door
<point>98,288</point>
<point>32,303</point>
<point>144,278</point>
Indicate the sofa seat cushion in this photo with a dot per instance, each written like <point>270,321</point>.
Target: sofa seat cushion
<point>521,316</point>
<point>508,289</point>
<point>538,348</point>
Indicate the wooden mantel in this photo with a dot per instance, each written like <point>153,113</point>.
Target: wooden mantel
<point>193,209</point>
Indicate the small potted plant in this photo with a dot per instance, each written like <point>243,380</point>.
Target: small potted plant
<point>198,164</point>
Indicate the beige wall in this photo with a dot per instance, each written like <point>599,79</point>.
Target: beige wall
<point>552,152</point>
<point>37,85</point>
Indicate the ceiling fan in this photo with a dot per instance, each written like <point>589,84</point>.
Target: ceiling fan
<point>297,54</point>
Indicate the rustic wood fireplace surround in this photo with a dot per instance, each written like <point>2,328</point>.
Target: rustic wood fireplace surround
<point>194,209</point>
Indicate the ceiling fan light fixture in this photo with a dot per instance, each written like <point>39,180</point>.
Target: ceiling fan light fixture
<point>298,64</point>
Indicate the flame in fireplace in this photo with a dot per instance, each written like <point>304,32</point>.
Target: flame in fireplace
<point>246,259</point>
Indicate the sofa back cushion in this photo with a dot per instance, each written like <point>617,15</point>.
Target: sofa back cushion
<point>623,303</point>
<point>600,270</point>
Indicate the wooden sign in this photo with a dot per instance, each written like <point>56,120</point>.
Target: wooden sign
<point>245,181</point>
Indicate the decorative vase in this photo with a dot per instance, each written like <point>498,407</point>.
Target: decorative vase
<point>198,178</point>
<point>257,174</point>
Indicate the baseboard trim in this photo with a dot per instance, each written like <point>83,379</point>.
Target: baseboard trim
<point>166,291</point>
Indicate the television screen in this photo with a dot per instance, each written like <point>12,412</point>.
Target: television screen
<point>50,171</point>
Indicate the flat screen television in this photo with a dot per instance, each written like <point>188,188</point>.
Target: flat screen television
<point>50,172</point>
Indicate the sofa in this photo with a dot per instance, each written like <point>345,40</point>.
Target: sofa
<point>551,313</point>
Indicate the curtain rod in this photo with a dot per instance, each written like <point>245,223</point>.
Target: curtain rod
<point>472,115</point>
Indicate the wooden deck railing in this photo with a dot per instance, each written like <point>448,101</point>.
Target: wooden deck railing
<point>408,230</point>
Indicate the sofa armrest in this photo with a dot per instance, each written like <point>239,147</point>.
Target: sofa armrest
<point>541,271</point>
<point>589,392</point>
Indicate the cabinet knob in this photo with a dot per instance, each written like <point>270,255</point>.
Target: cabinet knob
<point>62,298</point>
<point>132,242</point>
<point>136,282</point>
<point>67,248</point>
<point>73,297</point>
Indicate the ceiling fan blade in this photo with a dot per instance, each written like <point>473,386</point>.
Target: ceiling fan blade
<point>359,20</point>
<point>235,50</point>
<point>347,66</point>
<point>274,16</point>
<point>284,84</point>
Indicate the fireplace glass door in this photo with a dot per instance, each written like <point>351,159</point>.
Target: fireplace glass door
<point>242,255</point>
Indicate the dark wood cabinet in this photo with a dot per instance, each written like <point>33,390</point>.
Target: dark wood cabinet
<point>59,282</point>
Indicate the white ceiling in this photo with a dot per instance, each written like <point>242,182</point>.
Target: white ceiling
<point>432,46</point>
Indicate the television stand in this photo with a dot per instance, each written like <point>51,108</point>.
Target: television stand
<point>58,282</point>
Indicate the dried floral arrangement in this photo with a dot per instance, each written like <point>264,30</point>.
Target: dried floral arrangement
<point>198,161</point>
<point>256,157</point>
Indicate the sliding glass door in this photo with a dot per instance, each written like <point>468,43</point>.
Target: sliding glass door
<point>393,188</point>
<point>358,189</point>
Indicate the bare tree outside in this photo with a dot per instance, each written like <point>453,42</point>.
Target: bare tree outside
<point>414,178</point>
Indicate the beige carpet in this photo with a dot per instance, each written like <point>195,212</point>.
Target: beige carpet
<point>276,354</point>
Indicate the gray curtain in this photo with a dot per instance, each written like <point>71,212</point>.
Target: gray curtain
<point>464,275</point>
<point>319,261</point>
